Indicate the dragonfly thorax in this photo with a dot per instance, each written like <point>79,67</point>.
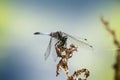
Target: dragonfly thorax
<point>63,41</point>
<point>58,35</point>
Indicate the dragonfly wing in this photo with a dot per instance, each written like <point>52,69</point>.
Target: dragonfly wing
<point>80,42</point>
<point>47,53</point>
<point>53,51</point>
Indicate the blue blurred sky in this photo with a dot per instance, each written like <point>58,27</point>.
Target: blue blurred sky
<point>23,53</point>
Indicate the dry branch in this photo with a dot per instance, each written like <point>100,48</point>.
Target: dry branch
<point>117,44</point>
<point>63,63</point>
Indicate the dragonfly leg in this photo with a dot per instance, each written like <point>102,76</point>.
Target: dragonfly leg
<point>56,43</point>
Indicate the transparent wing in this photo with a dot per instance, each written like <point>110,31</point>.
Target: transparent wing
<point>80,42</point>
<point>47,53</point>
<point>53,51</point>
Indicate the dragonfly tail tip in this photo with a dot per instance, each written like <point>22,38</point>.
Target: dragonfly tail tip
<point>36,33</point>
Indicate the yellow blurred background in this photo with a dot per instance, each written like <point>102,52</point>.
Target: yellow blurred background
<point>20,19</point>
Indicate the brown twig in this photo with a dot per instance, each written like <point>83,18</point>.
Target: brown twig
<point>63,63</point>
<point>117,44</point>
<point>76,74</point>
<point>112,32</point>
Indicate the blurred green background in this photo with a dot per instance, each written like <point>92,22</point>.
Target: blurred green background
<point>22,53</point>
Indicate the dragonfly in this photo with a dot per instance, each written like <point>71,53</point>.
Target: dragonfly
<point>62,38</point>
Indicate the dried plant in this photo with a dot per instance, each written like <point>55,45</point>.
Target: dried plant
<point>76,74</point>
<point>63,63</point>
<point>117,44</point>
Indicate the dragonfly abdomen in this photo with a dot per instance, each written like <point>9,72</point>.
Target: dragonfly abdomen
<point>40,33</point>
